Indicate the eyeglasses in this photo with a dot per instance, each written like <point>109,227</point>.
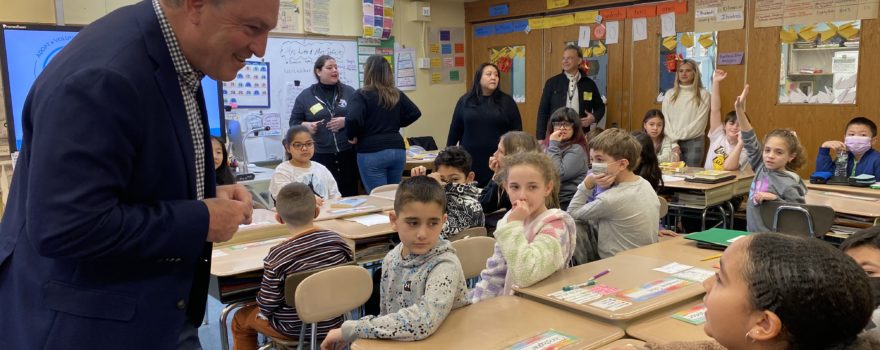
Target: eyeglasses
<point>303,146</point>
<point>563,125</point>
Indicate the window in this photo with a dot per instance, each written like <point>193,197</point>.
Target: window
<point>819,63</point>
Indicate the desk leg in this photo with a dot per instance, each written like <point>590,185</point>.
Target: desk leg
<point>732,213</point>
<point>703,222</point>
<point>224,336</point>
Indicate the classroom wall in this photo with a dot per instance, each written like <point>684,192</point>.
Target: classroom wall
<point>37,11</point>
<point>633,81</point>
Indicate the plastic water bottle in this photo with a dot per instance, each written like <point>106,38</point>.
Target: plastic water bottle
<point>840,164</point>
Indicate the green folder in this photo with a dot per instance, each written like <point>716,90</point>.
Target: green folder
<point>717,236</point>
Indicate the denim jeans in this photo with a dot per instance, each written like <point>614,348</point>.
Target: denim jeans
<point>381,168</point>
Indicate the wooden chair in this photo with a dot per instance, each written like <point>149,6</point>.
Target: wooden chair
<point>473,253</point>
<point>796,218</point>
<point>469,232</point>
<point>384,188</point>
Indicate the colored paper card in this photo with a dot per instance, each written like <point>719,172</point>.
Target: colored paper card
<point>695,315</point>
<point>576,296</point>
<point>585,17</point>
<point>654,289</point>
<point>459,48</point>
<point>669,43</point>
<point>548,340</point>
<point>604,289</point>
<point>808,33</point>
<point>555,4</point>
<point>454,75</point>
<point>667,24</point>
<point>613,14</point>
<point>599,31</point>
<point>730,58</point>
<point>503,28</point>
<point>584,36</point>
<point>639,29</point>
<point>672,7</point>
<point>499,10</point>
<point>828,33</point>
<point>706,40</point>
<point>435,48</point>
<point>459,61</point>
<point>673,268</point>
<point>695,275</point>
<point>436,78</point>
<point>641,11</point>
<point>599,50</point>
<point>446,49</point>
<point>611,304</point>
<point>687,40</point>
<point>435,62</point>
<point>444,35</point>
<point>448,62</point>
<point>520,26</point>
<point>483,31</point>
<point>559,21</point>
<point>612,30</point>
<point>536,23</point>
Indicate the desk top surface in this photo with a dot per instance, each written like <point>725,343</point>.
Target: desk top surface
<point>631,343</point>
<point>678,249</point>
<point>856,191</point>
<point>500,322</point>
<point>372,205</point>
<point>662,328</point>
<point>745,175</point>
<point>631,276</point>
<point>845,205</point>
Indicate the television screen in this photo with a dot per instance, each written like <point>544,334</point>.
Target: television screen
<point>26,49</point>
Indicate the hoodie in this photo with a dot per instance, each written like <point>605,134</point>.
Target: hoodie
<point>463,208</point>
<point>417,293</point>
<point>526,254</point>
<point>785,184</point>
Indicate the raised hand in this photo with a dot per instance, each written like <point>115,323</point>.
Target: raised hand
<point>718,75</point>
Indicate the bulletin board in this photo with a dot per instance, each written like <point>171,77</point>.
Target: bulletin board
<point>446,51</point>
<point>289,65</point>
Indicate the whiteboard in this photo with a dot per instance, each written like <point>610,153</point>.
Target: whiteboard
<point>290,63</point>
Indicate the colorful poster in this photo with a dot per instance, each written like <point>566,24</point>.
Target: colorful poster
<point>378,18</point>
<point>446,52</point>
<point>373,46</point>
<point>250,88</point>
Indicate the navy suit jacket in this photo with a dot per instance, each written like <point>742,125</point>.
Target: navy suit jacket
<point>103,244</point>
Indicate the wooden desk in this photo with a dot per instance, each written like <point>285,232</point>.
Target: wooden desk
<point>717,195</point>
<point>389,195</point>
<point>372,205</point>
<point>858,207</point>
<point>500,322</point>
<point>627,272</point>
<point>632,343</point>
<point>425,159</point>
<point>662,328</point>
<point>677,249</point>
<point>852,190</point>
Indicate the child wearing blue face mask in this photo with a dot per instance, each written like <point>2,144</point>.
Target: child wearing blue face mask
<point>860,137</point>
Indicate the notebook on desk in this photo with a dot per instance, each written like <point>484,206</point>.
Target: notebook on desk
<point>716,238</point>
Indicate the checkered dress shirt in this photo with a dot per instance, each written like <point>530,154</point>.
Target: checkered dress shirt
<point>190,81</point>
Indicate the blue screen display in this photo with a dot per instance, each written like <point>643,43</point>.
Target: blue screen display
<point>27,51</point>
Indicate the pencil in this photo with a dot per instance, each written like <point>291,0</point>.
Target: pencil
<point>710,257</point>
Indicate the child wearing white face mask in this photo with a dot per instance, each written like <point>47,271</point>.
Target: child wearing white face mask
<point>860,137</point>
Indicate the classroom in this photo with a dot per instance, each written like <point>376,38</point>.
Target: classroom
<point>440,174</point>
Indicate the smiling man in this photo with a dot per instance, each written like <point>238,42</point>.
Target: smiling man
<point>106,239</point>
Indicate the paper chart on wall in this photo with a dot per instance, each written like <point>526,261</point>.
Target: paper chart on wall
<point>404,64</point>
<point>718,15</point>
<point>290,16</point>
<point>317,16</point>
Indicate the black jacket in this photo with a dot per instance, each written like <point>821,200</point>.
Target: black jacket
<point>377,128</point>
<point>553,97</point>
<point>325,140</point>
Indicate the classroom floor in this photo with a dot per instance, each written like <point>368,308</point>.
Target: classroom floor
<point>209,334</point>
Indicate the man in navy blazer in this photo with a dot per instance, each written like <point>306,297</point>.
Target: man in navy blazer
<point>106,239</point>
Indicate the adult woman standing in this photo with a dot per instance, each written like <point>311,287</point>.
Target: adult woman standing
<point>378,111</point>
<point>686,107</point>
<point>481,116</point>
<point>322,109</point>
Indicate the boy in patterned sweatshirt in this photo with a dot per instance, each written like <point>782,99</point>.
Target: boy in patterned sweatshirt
<point>452,168</point>
<point>422,279</point>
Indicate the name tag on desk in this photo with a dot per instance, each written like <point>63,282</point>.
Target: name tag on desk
<point>315,108</point>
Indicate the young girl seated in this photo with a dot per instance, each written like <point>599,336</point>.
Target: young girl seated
<point>299,167</point>
<point>566,145</point>
<point>776,291</point>
<point>725,144</point>
<point>653,124</point>
<point>221,162</point>
<point>532,242</point>
<point>774,167</point>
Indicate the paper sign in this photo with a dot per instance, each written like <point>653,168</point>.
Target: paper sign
<point>672,7</point>
<point>673,268</point>
<point>641,11</point>
<point>448,62</point>
<point>536,23</point>
<point>611,304</point>
<point>584,36</point>
<point>548,340</point>
<point>459,48</point>
<point>695,315</point>
<point>730,58</point>
<point>640,29</point>
<point>654,289</point>
<point>559,21</point>
<point>585,17</point>
<point>518,26</point>
<point>577,295</point>
<point>604,289</point>
<point>667,24</point>
<point>446,49</point>
<point>435,48</point>
<point>687,40</point>
<point>444,35</point>
<point>613,14</point>
<point>695,275</point>
<point>499,10</point>
<point>555,4</point>
<point>436,78</point>
<point>479,32</point>
<point>611,31</point>
<point>706,40</point>
<point>454,75</point>
<point>435,62</point>
<point>503,28</point>
<point>459,61</point>
<point>669,43</point>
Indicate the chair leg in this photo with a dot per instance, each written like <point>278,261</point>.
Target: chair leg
<point>302,336</point>
<point>314,345</point>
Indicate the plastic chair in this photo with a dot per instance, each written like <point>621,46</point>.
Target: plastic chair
<point>473,253</point>
<point>469,232</point>
<point>796,218</point>
<point>384,188</point>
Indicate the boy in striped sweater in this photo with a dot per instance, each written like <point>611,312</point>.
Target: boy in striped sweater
<point>308,248</point>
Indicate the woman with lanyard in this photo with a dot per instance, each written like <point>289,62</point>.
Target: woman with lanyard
<point>573,89</point>
<point>322,109</point>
